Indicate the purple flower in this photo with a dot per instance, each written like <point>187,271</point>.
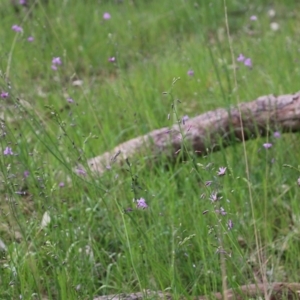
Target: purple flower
<point>221,211</point>
<point>56,61</point>
<point>253,18</point>
<point>80,172</point>
<point>8,151</point>
<point>184,119</point>
<point>267,145</point>
<point>70,100</point>
<point>208,183</point>
<point>241,58</point>
<point>112,59</point>
<point>229,224</point>
<point>4,95</point>
<point>248,62</point>
<point>106,16</point>
<point>213,197</point>
<point>30,39</point>
<point>276,134</point>
<point>17,28</point>
<point>190,72</point>
<point>26,174</point>
<point>222,171</point>
<point>53,67</point>
<point>141,203</point>
<point>61,184</point>
<point>23,2</point>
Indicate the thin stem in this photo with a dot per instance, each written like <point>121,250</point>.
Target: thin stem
<point>244,151</point>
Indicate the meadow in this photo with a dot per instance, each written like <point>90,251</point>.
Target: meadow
<point>77,78</point>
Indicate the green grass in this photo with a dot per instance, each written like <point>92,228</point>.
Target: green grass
<point>91,247</point>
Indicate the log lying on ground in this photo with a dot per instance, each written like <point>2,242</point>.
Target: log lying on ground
<point>211,131</point>
<point>276,290</point>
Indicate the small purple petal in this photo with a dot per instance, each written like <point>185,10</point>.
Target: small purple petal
<point>277,134</point>
<point>190,72</point>
<point>106,16</point>
<point>26,174</point>
<point>267,145</point>
<point>248,62</point>
<point>222,171</point>
<point>61,184</point>
<point>80,171</point>
<point>229,225</point>
<point>213,197</point>
<point>253,18</point>
<point>30,39</point>
<point>241,58</point>
<point>56,61</point>
<point>23,2</point>
<point>17,28</point>
<point>70,100</point>
<point>184,119</point>
<point>112,59</point>
<point>141,203</point>
<point>4,95</point>
<point>8,151</point>
<point>53,67</point>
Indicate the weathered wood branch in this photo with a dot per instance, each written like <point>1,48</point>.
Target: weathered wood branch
<point>212,130</point>
<point>276,290</point>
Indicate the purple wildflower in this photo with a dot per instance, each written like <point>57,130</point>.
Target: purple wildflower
<point>80,172</point>
<point>248,62</point>
<point>30,39</point>
<point>26,174</point>
<point>208,183</point>
<point>61,184</point>
<point>222,171</point>
<point>241,58</point>
<point>141,203</point>
<point>221,211</point>
<point>4,95</point>
<point>106,16</point>
<point>56,61</point>
<point>276,134</point>
<point>253,18</point>
<point>23,2</point>
<point>267,145</point>
<point>184,119</point>
<point>213,197</point>
<point>190,72</point>
<point>112,59</point>
<point>229,224</point>
<point>53,67</point>
<point>17,28</point>
<point>8,151</point>
<point>70,100</point>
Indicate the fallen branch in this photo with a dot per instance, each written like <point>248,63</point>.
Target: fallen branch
<point>276,290</point>
<point>211,131</point>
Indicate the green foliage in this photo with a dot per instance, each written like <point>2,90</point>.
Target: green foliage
<point>70,236</point>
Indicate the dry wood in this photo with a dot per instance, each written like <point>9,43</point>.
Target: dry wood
<point>211,131</point>
<point>276,290</point>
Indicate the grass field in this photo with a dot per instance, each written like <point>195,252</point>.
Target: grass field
<point>80,77</point>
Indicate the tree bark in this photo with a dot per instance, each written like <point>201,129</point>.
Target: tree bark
<point>210,131</point>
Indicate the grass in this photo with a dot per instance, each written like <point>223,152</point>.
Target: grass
<point>74,241</point>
